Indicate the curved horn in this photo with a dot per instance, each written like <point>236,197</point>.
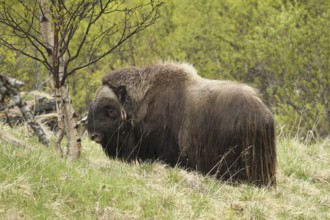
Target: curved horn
<point>123,114</point>
<point>105,92</point>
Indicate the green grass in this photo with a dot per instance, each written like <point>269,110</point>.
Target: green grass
<point>36,184</point>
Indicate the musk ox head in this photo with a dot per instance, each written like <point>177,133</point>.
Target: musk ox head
<point>107,121</point>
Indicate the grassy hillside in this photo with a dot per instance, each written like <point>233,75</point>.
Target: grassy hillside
<point>36,184</point>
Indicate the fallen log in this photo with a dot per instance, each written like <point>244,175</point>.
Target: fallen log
<point>10,139</point>
<point>9,88</point>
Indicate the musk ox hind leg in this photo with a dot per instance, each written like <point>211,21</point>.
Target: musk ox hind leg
<point>260,156</point>
<point>254,145</point>
<point>234,142</point>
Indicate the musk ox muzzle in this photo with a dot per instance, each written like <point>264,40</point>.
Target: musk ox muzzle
<point>106,117</point>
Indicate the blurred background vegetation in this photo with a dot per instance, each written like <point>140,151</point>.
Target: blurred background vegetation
<point>281,47</point>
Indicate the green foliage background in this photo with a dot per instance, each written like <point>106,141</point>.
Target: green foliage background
<point>280,47</point>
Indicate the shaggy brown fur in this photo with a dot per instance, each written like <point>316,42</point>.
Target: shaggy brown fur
<point>168,112</point>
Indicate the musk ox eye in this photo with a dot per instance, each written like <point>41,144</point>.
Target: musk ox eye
<point>112,112</point>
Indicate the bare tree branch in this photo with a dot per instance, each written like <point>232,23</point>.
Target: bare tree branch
<point>128,31</point>
<point>23,29</point>
<point>23,26</point>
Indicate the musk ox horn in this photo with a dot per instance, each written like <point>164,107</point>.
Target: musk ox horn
<point>221,128</point>
<point>123,115</point>
<point>105,93</point>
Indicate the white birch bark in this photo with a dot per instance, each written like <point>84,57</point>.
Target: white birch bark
<point>67,120</point>
<point>70,124</point>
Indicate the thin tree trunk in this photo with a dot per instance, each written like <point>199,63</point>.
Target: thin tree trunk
<point>60,123</point>
<point>47,34</point>
<point>67,121</point>
<point>67,124</point>
<point>67,112</point>
<point>71,125</point>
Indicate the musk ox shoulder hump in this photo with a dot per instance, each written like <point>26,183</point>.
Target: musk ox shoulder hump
<point>138,80</point>
<point>173,70</point>
<point>181,67</point>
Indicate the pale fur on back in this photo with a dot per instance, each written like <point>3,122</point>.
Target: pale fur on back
<point>140,80</point>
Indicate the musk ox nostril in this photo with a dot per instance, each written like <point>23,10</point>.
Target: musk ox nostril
<point>93,136</point>
<point>97,137</point>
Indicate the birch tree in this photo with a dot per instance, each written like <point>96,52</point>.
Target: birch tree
<point>70,35</point>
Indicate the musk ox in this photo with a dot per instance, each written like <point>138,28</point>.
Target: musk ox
<point>168,112</point>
